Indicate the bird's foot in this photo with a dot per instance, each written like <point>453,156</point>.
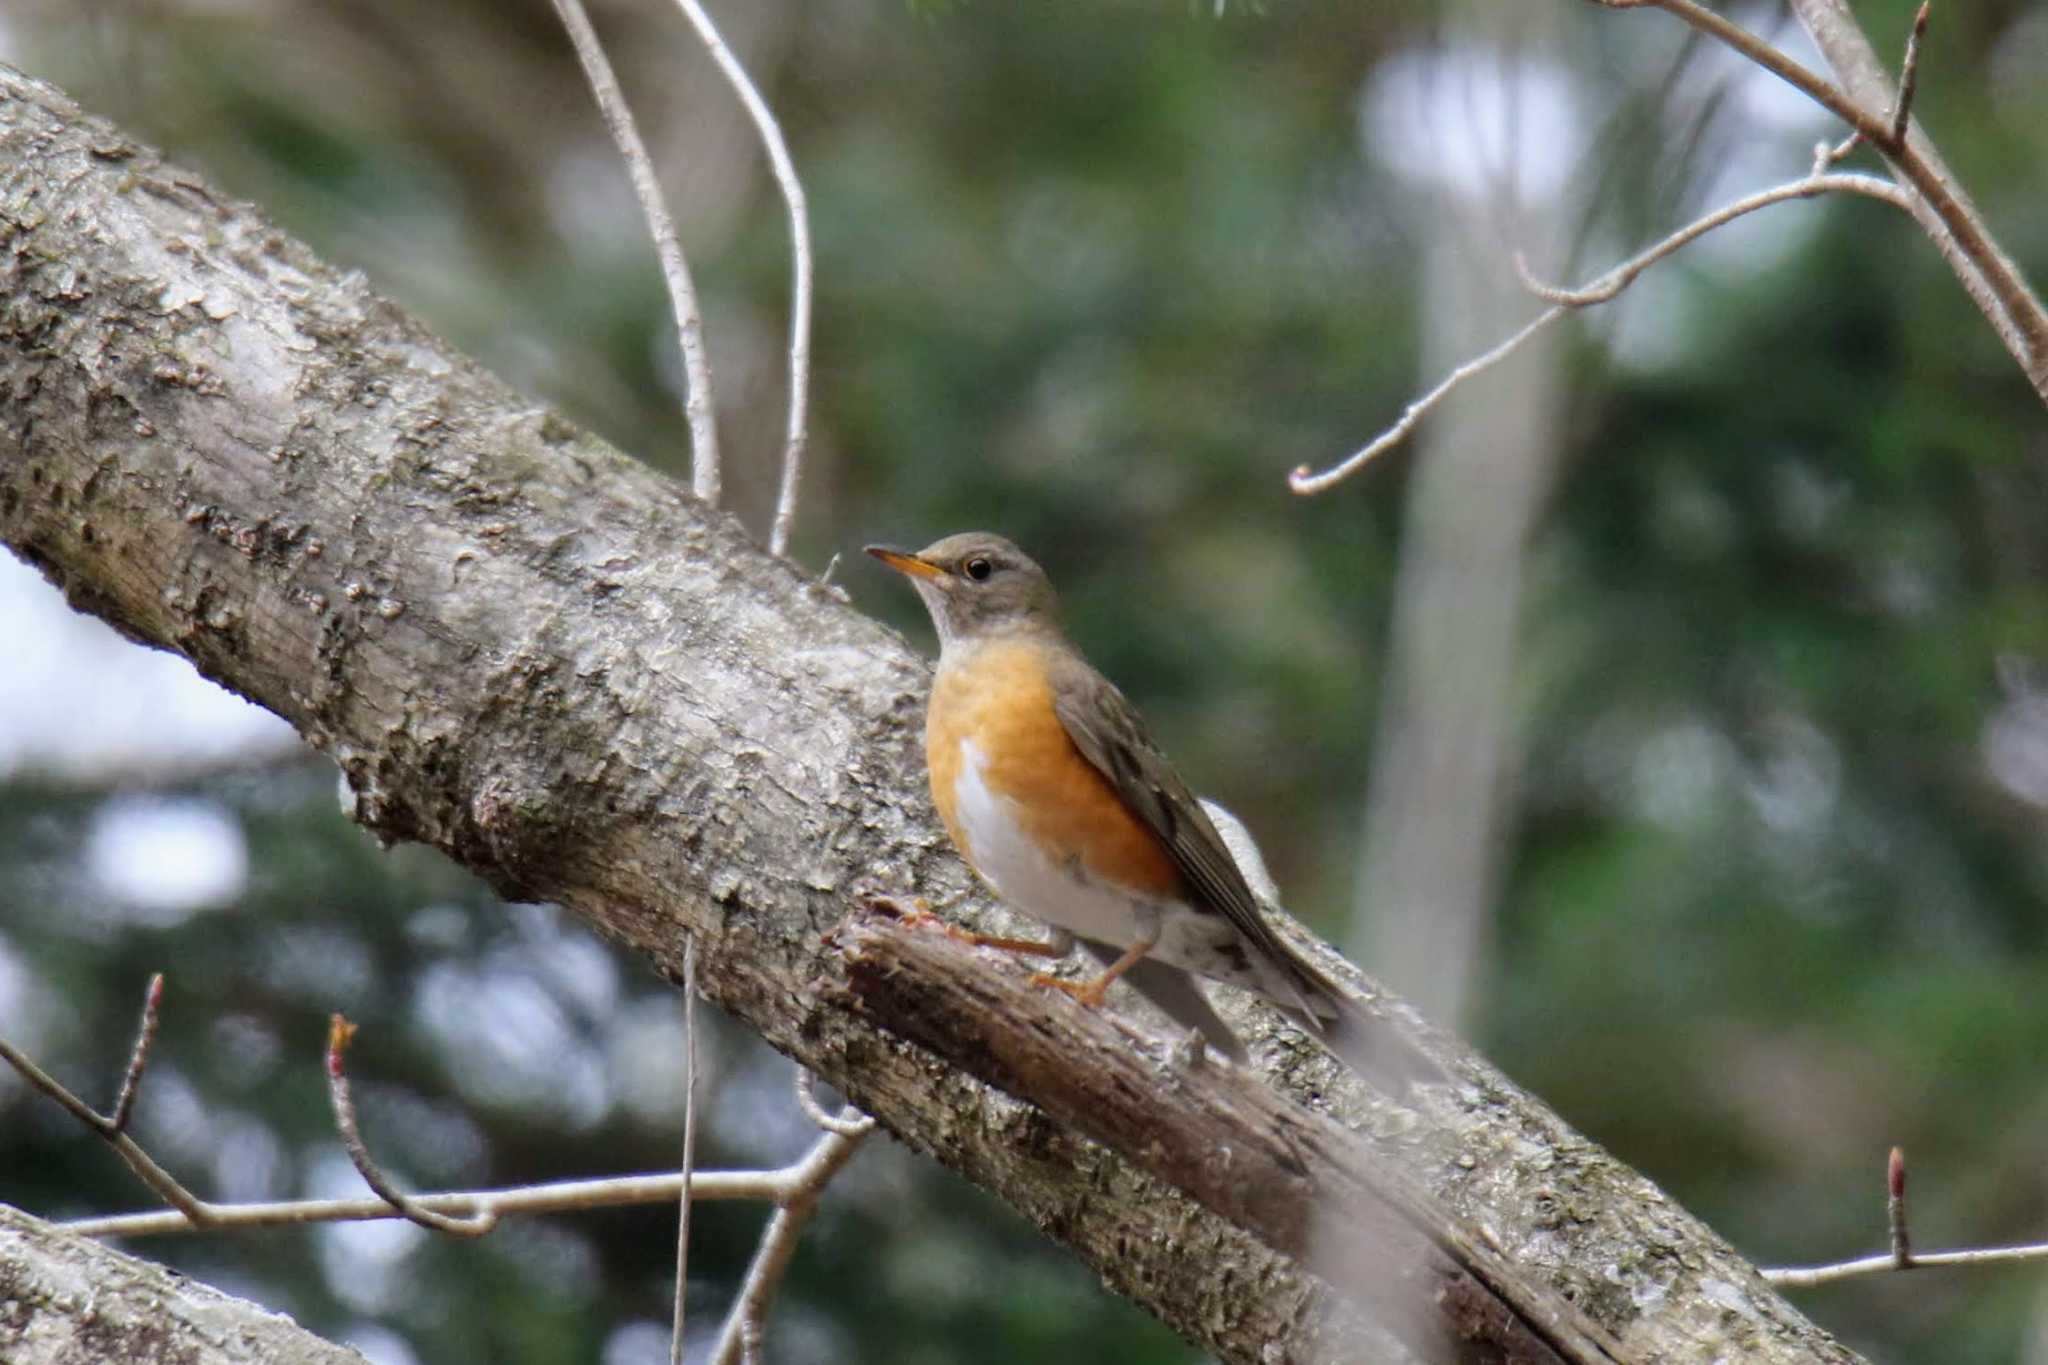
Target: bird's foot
<point>908,909</point>
<point>1089,993</point>
<point>915,912</point>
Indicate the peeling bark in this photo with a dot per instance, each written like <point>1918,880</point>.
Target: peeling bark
<point>563,671</point>
<point>1342,1203</point>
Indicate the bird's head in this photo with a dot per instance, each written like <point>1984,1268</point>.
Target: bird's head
<point>975,585</point>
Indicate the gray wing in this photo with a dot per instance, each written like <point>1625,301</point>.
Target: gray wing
<point>1111,735</point>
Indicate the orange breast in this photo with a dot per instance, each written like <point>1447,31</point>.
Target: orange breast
<point>997,697</point>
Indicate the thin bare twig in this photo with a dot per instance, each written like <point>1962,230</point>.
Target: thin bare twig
<point>793,1189</point>
<point>1900,1256</point>
<point>675,1344</point>
<point>1304,481</point>
<point>472,1210</point>
<point>1606,287</point>
<point>740,1340</point>
<point>198,1212</point>
<point>340,1032</point>
<point>1909,76</point>
<point>1808,82</point>
<point>807,1100</point>
<point>618,118</point>
<point>111,1126</point>
<point>1981,265</point>
<point>1623,275</point>
<point>1895,1209</point>
<point>800,266</point>
<point>138,1057</point>
<point>1808,1277</point>
<point>189,1213</point>
<point>560,1196</point>
<point>1825,156</point>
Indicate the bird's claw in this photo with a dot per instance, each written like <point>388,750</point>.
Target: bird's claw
<point>913,911</point>
<point>1089,993</point>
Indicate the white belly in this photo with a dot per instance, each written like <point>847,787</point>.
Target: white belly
<point>1064,896</point>
<point>1061,894</point>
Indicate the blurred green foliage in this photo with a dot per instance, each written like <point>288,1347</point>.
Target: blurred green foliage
<point>1097,276</point>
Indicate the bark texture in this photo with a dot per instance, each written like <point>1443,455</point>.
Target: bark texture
<point>68,1300</point>
<point>562,670</point>
<point>1341,1202</point>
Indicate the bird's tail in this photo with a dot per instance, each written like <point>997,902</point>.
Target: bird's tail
<point>1370,1045</point>
<point>1373,1048</point>
<point>1174,993</point>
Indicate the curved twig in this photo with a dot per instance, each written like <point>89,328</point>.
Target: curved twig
<point>675,270</point>
<point>339,1034</point>
<point>857,1125</point>
<point>740,1339</point>
<point>800,266</point>
<point>1302,480</point>
<point>1623,275</point>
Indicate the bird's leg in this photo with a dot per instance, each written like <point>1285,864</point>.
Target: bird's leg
<point>1059,945</point>
<point>1090,993</point>
<point>918,912</point>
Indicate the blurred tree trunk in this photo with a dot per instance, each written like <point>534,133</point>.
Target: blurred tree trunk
<point>1444,757</point>
<point>558,668</point>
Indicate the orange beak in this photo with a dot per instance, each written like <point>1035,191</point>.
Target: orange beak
<point>904,562</point>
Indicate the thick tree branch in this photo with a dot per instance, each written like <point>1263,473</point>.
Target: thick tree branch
<point>65,1299</point>
<point>1304,1183</point>
<point>565,672</point>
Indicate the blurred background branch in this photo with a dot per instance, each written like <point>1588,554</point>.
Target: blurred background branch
<point>793,1190</point>
<point>1444,750</point>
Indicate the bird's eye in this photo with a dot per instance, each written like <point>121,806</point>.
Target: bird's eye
<point>978,569</point>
